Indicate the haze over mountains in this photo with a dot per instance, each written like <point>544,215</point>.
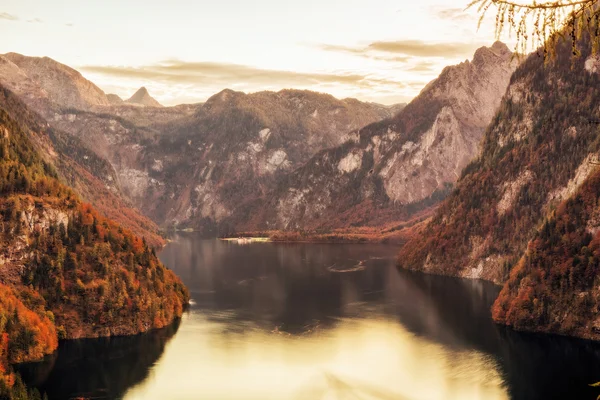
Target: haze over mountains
<point>253,161</point>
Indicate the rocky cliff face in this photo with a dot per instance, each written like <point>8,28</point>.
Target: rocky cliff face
<point>389,170</point>
<point>524,213</point>
<point>90,175</point>
<point>213,169</point>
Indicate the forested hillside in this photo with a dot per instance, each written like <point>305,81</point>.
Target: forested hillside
<point>502,222</point>
<point>66,271</point>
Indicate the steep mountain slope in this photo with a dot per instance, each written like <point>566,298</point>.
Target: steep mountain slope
<point>56,92</point>
<point>391,169</point>
<point>91,176</point>
<point>114,99</point>
<point>503,215</point>
<point>66,271</point>
<point>143,98</point>
<point>55,81</point>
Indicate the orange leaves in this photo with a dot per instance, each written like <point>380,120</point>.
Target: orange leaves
<point>24,323</point>
<point>87,219</point>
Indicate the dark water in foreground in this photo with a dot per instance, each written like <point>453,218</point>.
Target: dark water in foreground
<point>306,321</point>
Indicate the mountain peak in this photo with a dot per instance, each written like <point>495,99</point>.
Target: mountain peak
<point>143,98</point>
<point>492,53</point>
<point>114,99</point>
<point>61,84</point>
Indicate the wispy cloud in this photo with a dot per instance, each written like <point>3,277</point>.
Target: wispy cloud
<point>35,21</point>
<point>8,17</point>
<point>362,52</point>
<point>454,14</point>
<point>69,24</point>
<point>423,66</point>
<point>408,48</point>
<point>226,74</point>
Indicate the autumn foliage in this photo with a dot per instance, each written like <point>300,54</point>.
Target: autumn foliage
<point>542,133</point>
<point>66,270</point>
<point>554,286</point>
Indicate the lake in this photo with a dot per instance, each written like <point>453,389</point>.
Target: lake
<point>320,321</point>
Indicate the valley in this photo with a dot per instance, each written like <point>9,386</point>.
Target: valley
<point>444,245</point>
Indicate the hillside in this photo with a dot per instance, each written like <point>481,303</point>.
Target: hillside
<point>91,176</point>
<point>51,90</point>
<point>389,171</point>
<point>523,214</point>
<point>66,271</point>
<point>49,79</point>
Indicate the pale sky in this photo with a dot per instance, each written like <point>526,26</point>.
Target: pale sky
<point>185,51</point>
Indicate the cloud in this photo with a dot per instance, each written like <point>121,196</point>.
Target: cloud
<point>69,24</point>
<point>424,66</point>
<point>424,49</point>
<point>454,14</point>
<point>35,21</point>
<point>362,52</point>
<point>226,75</point>
<point>402,50</point>
<point>9,17</point>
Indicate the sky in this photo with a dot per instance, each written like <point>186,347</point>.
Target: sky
<point>184,51</point>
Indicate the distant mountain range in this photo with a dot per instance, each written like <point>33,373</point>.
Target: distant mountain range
<point>291,160</point>
<point>189,165</point>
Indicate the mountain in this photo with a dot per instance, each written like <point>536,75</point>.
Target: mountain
<point>390,170</point>
<point>524,214</point>
<point>163,157</point>
<point>143,98</point>
<point>56,92</point>
<point>46,78</point>
<point>67,271</point>
<point>90,175</point>
<point>114,99</point>
<point>215,168</point>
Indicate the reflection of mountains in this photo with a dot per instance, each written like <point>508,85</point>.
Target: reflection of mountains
<point>290,286</point>
<point>451,311</point>
<point>291,289</point>
<point>455,312</point>
<point>98,368</point>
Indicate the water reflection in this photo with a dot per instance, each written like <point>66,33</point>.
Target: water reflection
<point>98,368</point>
<point>306,321</point>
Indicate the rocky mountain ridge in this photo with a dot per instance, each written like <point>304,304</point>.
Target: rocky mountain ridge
<point>389,170</point>
<point>47,79</point>
<point>524,213</point>
<point>247,140</point>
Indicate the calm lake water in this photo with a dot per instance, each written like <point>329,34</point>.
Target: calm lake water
<point>307,321</point>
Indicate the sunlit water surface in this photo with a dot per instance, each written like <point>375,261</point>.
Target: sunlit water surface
<point>307,321</point>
